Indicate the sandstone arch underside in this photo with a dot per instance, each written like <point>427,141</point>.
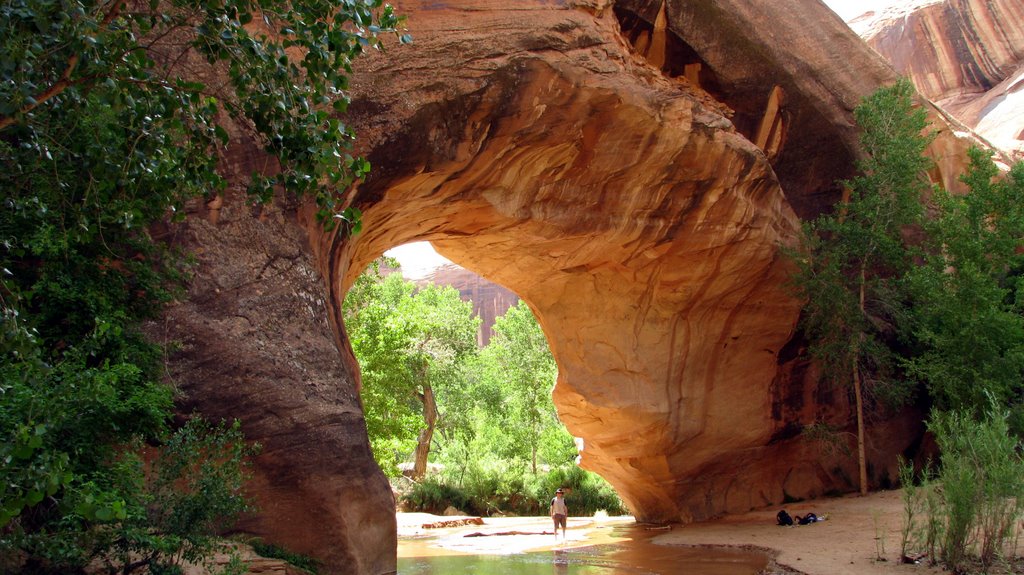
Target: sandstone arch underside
<point>634,184</point>
<point>641,224</point>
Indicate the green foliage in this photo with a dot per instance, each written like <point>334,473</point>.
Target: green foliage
<point>586,492</point>
<point>285,67</point>
<point>102,136</point>
<point>407,339</point>
<point>497,428</point>
<point>190,491</point>
<point>516,375</point>
<point>432,496</point>
<point>922,511</point>
<point>968,513</point>
<point>982,477</point>
<point>494,490</point>
<point>853,261</point>
<point>969,326</point>
<point>380,341</point>
<point>128,514</point>
<point>851,268</point>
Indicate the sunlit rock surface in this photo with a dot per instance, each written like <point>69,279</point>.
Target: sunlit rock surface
<point>966,55</point>
<point>631,171</point>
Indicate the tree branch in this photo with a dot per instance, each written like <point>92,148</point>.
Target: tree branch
<point>65,79</point>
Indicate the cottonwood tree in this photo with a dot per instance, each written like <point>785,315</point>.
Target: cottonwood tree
<point>853,262</point>
<point>412,346</point>
<point>968,307</point>
<point>112,115</point>
<point>521,370</point>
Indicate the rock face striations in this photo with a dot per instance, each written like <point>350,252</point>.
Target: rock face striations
<point>632,172</point>
<point>966,55</point>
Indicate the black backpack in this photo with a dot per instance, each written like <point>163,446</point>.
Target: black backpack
<point>808,519</point>
<point>783,518</point>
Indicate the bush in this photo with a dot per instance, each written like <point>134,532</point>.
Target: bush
<point>431,496</point>
<point>922,512</point>
<point>490,489</point>
<point>972,507</point>
<point>982,478</point>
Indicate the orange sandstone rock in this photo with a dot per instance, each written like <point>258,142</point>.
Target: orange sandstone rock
<point>632,171</point>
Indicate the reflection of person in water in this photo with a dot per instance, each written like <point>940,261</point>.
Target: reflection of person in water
<point>560,562</point>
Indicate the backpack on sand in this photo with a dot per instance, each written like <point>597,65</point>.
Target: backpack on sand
<point>783,518</point>
<point>807,519</point>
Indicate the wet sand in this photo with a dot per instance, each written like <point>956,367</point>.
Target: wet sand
<point>526,545</point>
<point>858,533</point>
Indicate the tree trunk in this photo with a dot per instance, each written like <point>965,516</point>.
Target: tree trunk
<point>861,455</point>
<point>858,393</point>
<point>427,435</point>
<point>533,453</point>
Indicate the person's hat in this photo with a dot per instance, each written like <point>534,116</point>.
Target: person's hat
<point>559,490</point>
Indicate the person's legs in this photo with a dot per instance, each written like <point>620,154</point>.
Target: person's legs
<point>560,520</point>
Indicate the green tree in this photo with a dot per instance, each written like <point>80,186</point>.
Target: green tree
<point>445,329</point>
<point>522,373</point>
<point>111,116</point>
<point>850,271</point>
<point>379,340</point>
<point>412,347</point>
<point>968,304</point>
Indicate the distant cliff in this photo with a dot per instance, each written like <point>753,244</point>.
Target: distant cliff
<point>966,55</point>
<point>490,300</point>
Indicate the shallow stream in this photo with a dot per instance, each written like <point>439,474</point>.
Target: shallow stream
<point>633,554</point>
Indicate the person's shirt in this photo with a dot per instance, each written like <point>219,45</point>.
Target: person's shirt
<point>558,506</point>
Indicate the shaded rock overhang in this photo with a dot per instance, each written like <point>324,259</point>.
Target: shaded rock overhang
<point>534,144</point>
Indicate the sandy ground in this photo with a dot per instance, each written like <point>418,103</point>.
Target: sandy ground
<point>858,531</point>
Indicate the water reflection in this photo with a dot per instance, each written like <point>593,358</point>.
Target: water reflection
<point>635,557</point>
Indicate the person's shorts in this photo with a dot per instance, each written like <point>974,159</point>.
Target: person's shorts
<point>559,520</point>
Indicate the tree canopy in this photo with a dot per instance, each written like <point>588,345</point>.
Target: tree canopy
<point>898,298</point>
<point>112,115</point>
<point>412,345</point>
<point>499,445</point>
<point>851,268</point>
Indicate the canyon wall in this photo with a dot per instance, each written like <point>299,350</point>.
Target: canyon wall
<point>490,300</point>
<point>252,341</point>
<point>632,171</point>
<point>966,55</point>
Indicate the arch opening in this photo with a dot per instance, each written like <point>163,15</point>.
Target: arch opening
<point>457,400</point>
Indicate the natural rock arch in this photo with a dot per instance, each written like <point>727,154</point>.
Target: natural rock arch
<point>648,247</point>
<point>531,144</point>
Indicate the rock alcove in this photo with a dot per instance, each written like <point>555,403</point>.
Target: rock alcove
<point>541,145</point>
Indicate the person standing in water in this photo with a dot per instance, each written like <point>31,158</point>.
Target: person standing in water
<point>559,512</point>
